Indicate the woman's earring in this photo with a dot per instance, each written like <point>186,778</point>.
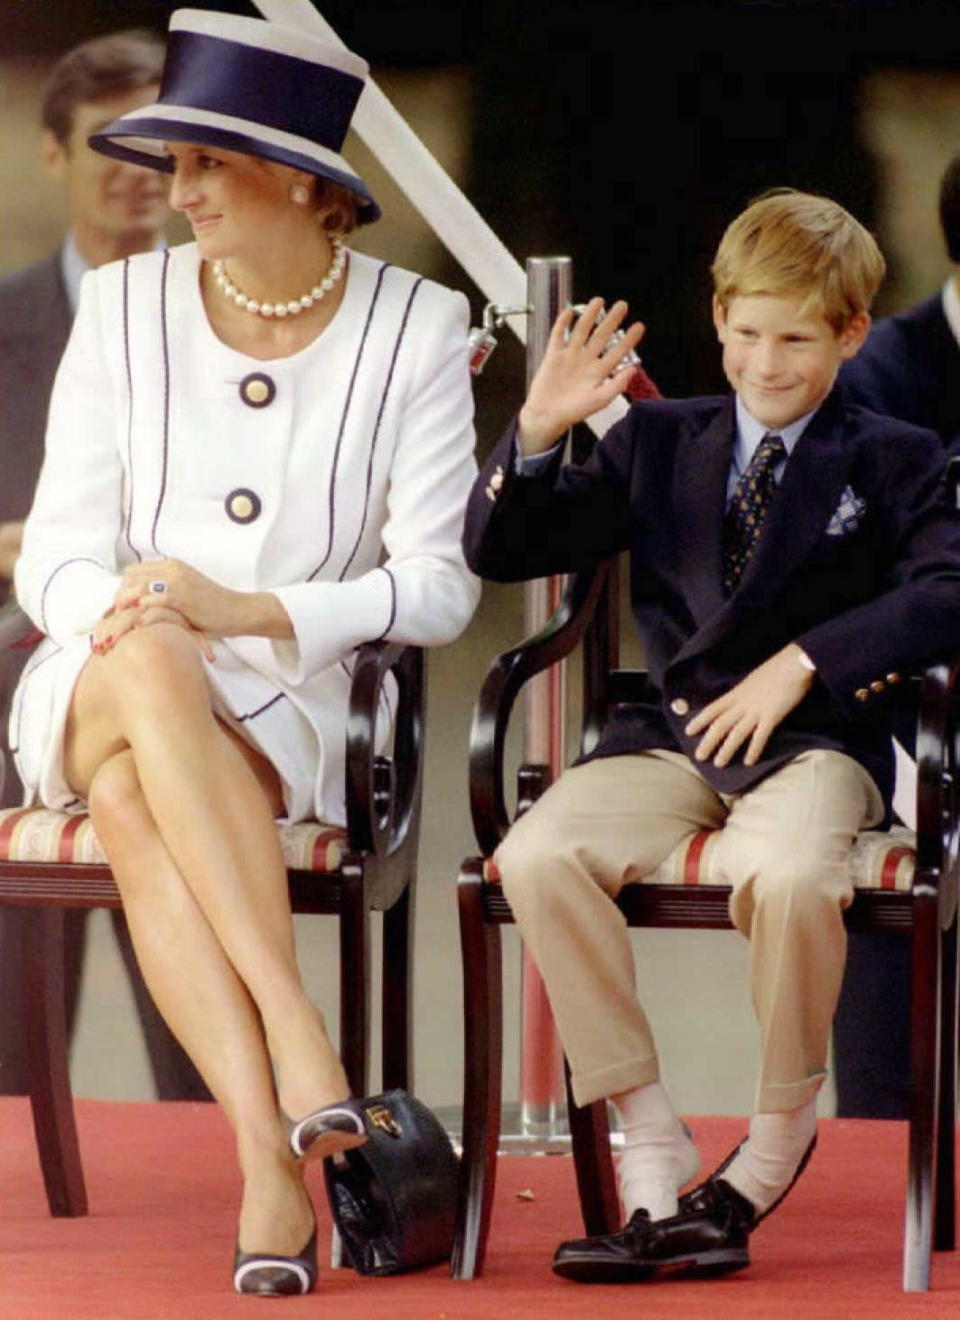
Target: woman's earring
<point>299,193</point>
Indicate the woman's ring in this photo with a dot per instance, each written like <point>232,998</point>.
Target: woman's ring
<point>158,588</point>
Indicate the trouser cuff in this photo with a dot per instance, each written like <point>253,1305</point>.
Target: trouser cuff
<point>603,1082</point>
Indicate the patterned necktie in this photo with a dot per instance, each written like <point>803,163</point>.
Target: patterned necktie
<point>748,509</point>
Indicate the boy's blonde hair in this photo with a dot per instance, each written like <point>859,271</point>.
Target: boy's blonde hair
<point>797,245</point>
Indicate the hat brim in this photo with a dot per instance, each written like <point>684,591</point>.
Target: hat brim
<point>138,138</point>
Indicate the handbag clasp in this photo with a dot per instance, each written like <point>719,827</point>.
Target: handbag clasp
<point>381,1117</point>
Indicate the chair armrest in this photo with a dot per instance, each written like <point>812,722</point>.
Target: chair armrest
<point>504,679</point>
<point>938,805</point>
<point>383,792</point>
<point>16,628</point>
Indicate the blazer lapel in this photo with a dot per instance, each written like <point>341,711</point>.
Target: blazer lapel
<point>699,498</point>
<point>813,482</point>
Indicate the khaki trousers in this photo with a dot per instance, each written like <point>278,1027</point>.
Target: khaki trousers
<point>784,848</point>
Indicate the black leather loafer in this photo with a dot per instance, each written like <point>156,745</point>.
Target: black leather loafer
<point>692,1201</point>
<point>709,1235</point>
<point>710,1238</point>
<point>620,1257</point>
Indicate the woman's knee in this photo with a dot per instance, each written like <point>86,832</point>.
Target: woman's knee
<point>154,667</point>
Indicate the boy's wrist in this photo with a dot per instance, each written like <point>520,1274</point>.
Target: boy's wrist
<point>536,433</point>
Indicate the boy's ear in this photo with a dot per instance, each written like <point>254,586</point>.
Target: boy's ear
<point>853,335</point>
<point>720,317</point>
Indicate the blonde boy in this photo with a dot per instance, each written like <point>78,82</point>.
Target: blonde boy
<point>791,559</point>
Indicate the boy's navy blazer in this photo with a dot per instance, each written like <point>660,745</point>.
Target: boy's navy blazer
<point>909,368</point>
<point>858,562</point>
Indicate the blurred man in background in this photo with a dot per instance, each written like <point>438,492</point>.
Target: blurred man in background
<point>114,210</point>
<point>909,368</point>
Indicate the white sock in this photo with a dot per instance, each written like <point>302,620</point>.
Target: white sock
<point>658,1157</point>
<point>767,1162</point>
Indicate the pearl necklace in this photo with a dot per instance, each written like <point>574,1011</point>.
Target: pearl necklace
<point>296,305</point>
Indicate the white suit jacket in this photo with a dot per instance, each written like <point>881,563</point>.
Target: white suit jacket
<point>335,478</point>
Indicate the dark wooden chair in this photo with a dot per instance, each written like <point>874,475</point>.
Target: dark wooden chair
<point>902,883</point>
<point>50,861</point>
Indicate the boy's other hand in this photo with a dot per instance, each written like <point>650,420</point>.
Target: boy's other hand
<point>581,373</point>
<point>750,712</point>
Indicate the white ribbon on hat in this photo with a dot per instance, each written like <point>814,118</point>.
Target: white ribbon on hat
<point>454,220</point>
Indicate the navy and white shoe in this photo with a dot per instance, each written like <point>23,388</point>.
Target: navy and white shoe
<point>329,1131</point>
<point>262,1275</point>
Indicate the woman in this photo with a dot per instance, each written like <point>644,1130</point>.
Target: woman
<point>257,458</point>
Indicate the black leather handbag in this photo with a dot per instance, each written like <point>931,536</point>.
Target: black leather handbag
<point>393,1199</point>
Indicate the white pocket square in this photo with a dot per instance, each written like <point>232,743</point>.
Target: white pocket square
<point>849,511</point>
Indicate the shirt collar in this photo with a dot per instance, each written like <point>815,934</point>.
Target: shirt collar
<point>72,268</point>
<point>951,306</point>
<point>750,432</point>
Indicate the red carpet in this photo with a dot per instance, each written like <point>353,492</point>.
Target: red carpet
<point>158,1242</point>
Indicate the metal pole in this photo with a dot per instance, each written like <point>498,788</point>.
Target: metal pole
<point>542,1099</point>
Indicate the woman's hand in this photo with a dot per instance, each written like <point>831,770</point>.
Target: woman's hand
<point>581,373</point>
<point>169,585</point>
<point>117,624</point>
<point>172,585</point>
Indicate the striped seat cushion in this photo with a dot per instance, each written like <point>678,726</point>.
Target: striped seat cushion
<point>878,860</point>
<point>37,834</point>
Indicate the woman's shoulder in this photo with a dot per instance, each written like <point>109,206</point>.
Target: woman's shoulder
<point>417,292</point>
<point>143,269</point>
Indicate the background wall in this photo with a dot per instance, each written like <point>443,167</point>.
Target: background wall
<point>627,135</point>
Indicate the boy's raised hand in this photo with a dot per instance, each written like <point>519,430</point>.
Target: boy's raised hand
<point>752,709</point>
<point>581,373</point>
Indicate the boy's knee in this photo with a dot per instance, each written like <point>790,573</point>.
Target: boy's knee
<point>798,880</point>
<point>530,862</point>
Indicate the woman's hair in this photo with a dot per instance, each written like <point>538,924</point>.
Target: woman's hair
<point>98,70</point>
<point>797,245</point>
<point>340,206</point>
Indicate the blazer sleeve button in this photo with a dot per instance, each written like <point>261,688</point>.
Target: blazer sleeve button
<point>862,694</point>
<point>878,685</point>
<point>680,706</point>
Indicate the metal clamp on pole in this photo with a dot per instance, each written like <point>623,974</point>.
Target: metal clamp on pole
<point>542,1092</point>
<point>483,341</point>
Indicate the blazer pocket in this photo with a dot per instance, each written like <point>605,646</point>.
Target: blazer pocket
<point>847,515</point>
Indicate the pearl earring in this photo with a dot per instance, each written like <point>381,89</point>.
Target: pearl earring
<point>299,193</point>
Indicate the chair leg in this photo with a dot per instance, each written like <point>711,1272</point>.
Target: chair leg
<point>924,1031</point>
<point>354,977</point>
<point>596,1182</point>
<point>482,1074</point>
<point>944,1205</point>
<point>397,992</point>
<point>48,1061</point>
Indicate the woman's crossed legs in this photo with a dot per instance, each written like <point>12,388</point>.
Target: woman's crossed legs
<point>186,811</point>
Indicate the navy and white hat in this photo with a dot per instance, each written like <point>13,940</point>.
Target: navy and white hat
<point>246,84</point>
